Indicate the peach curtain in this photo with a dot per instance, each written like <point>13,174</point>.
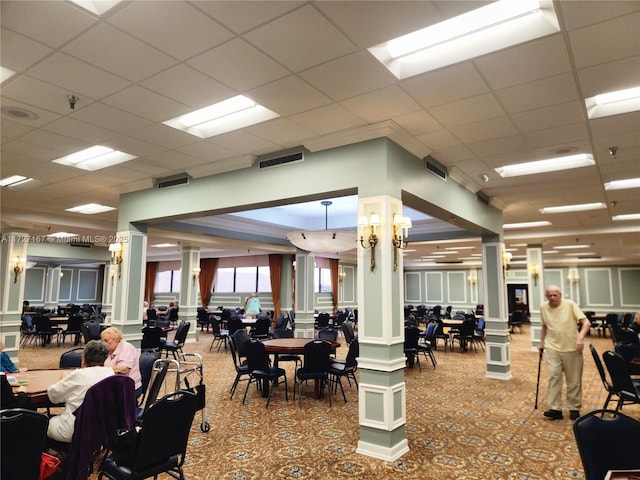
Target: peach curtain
<point>208,267</point>
<point>275,269</point>
<point>150,280</point>
<point>334,282</point>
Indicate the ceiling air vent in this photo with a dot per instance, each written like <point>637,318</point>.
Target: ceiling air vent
<point>175,181</point>
<point>282,160</point>
<point>449,262</point>
<point>435,167</point>
<point>81,244</point>
<point>589,257</point>
<point>483,198</point>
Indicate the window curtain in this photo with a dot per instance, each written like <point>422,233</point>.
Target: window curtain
<point>150,280</point>
<point>334,282</point>
<point>208,267</point>
<point>275,273</point>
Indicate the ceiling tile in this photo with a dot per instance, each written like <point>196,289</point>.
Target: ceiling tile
<point>545,92</point>
<point>143,102</point>
<point>177,29</point>
<point>544,118</point>
<point>490,128</point>
<point>206,151</point>
<point>28,115</point>
<point>133,146</point>
<point>541,58</point>
<point>328,119</point>
<point>243,142</point>
<point>54,141</point>
<point>73,128</point>
<point>111,118</point>
<point>596,44</point>
<point>245,66</point>
<point>18,52</point>
<point>418,122</point>
<point>439,140</point>
<point>357,73</point>
<point>52,23</point>
<point>32,91</point>
<point>288,96</point>
<point>392,100</point>
<point>563,135</point>
<point>77,77</point>
<point>577,14</point>
<point>116,52</point>
<point>445,85</point>
<point>245,15</point>
<point>174,161</point>
<point>468,110</point>
<point>11,130</point>
<point>282,131</point>
<point>494,146</point>
<point>168,137</point>
<point>610,76</point>
<point>310,39</point>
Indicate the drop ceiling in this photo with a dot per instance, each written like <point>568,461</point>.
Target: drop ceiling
<point>144,62</point>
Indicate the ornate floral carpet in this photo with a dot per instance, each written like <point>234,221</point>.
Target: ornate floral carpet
<point>460,425</point>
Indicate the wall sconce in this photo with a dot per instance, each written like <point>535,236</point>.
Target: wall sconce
<point>573,278</point>
<point>506,260</point>
<point>116,257</point>
<point>371,223</point>
<point>473,278</point>
<point>18,264</point>
<point>195,271</point>
<point>341,274</point>
<point>400,237</point>
<point>533,270</point>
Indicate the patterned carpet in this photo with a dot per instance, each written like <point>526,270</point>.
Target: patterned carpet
<point>460,425</point>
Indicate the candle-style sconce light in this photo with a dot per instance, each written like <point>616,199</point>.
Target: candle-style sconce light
<point>400,237</point>
<point>18,264</point>
<point>116,258</point>
<point>368,226</point>
<point>534,271</point>
<point>195,272</point>
<point>473,278</point>
<point>573,278</point>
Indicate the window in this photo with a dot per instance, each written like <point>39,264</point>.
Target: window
<point>168,281</point>
<point>242,279</point>
<point>322,280</point>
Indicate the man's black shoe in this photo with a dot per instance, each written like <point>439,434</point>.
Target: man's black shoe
<point>553,414</point>
<point>574,414</point>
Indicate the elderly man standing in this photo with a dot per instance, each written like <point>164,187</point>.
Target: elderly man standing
<point>563,343</point>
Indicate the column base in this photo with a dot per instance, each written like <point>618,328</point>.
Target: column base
<point>388,454</point>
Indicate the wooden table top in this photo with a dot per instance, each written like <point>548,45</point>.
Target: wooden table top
<point>37,381</point>
<point>292,345</point>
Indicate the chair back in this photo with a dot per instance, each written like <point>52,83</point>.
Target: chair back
<point>480,325</point>
<point>257,358</point>
<point>468,326</point>
<point>165,431</point>
<point>282,321</point>
<point>235,323</point>
<point>146,361</point>
<point>430,331</point>
<point>348,331</point>
<point>234,354</point>
<point>352,355</point>
<point>411,335</point>
<point>108,406</point>
<point>90,331</point>
<point>74,323</point>
<point>42,324</point>
<point>158,375</point>
<point>437,311</point>
<point>282,333</point>
<point>152,314</point>
<point>607,440</point>
<point>323,320</point>
<point>261,328</point>
<point>241,337</point>
<point>172,314</point>
<point>620,377</point>
<point>181,333</point>
<point>23,435</point>
<point>328,334</point>
<point>71,358</point>
<point>151,336</point>
<point>316,356</point>
<point>600,367</point>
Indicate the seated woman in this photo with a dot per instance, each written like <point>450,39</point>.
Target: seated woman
<point>123,357</point>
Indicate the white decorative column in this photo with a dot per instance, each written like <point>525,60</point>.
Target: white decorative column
<point>305,295</point>
<point>382,390</point>
<point>189,288</point>
<point>52,293</point>
<point>535,276</point>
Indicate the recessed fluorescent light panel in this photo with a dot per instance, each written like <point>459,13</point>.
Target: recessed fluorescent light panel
<point>629,216</point>
<point>571,247</point>
<point>62,235</point>
<point>487,29</point>
<point>226,116</point>
<point>573,208</point>
<point>98,7</point>
<point>543,223</point>
<point>613,103</point>
<point>5,73</point>
<point>164,245</point>
<point>622,184</point>
<point>14,180</point>
<point>90,208</point>
<point>548,165</point>
<point>94,158</point>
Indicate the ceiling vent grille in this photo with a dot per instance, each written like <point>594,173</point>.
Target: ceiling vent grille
<point>282,160</point>
<point>435,167</point>
<point>483,198</point>
<point>174,181</point>
<point>449,262</point>
<point>81,244</point>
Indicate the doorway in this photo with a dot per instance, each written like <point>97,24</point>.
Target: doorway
<point>518,298</point>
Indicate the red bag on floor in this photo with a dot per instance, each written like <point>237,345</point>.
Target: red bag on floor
<point>48,465</point>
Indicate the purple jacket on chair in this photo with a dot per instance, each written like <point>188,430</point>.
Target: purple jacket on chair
<point>108,406</point>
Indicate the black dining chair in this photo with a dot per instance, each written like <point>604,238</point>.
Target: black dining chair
<point>261,372</point>
<point>23,434</point>
<point>315,367</point>
<point>74,326</point>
